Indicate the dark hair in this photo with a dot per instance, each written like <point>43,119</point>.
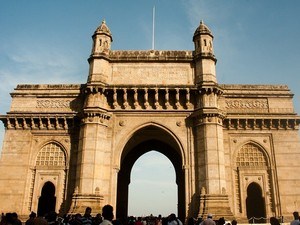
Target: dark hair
<point>274,221</point>
<point>107,212</point>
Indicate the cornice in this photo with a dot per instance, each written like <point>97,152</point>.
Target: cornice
<point>23,121</point>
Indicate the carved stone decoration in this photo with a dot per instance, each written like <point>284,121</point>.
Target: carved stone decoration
<point>53,103</point>
<point>248,104</point>
<point>178,123</point>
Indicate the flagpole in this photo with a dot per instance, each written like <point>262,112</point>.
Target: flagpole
<point>153,26</point>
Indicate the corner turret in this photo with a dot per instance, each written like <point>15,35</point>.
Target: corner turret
<point>99,58</point>
<point>204,55</point>
<point>102,40</point>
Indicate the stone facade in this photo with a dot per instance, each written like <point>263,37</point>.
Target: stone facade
<point>72,146</point>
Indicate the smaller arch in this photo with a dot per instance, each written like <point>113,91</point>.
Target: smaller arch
<point>255,203</point>
<point>47,199</point>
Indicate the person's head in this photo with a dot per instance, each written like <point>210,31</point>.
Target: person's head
<point>233,222</point>
<point>199,220</point>
<point>274,221</point>
<point>107,212</point>
<point>14,215</point>
<point>88,211</point>
<point>172,217</point>
<point>221,221</point>
<point>209,216</point>
<point>296,215</point>
<point>32,215</point>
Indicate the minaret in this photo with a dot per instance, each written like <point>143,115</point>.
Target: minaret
<point>204,55</point>
<point>208,129</point>
<point>94,128</point>
<point>99,65</point>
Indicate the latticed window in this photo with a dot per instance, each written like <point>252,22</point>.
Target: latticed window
<point>51,155</point>
<point>250,155</point>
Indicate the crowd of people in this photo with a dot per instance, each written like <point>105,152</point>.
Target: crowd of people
<point>107,216</point>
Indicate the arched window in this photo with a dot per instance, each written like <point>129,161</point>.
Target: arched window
<point>51,155</point>
<point>250,155</point>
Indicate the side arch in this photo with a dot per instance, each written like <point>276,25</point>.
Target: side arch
<point>255,204</point>
<point>50,166</point>
<point>47,199</point>
<point>252,167</point>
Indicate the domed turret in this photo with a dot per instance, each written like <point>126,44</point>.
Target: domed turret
<point>102,39</point>
<point>203,40</point>
<point>204,57</point>
<point>103,29</point>
<point>202,29</point>
<point>99,58</point>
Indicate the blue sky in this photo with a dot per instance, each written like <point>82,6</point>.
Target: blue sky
<point>256,42</point>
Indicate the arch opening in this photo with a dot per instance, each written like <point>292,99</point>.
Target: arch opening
<point>145,140</point>
<point>255,204</point>
<point>47,200</point>
<point>155,173</point>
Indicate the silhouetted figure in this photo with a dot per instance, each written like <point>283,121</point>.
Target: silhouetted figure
<point>221,221</point>
<point>76,219</point>
<point>158,220</point>
<point>31,218</point>
<point>108,215</point>
<point>98,219</point>
<point>233,222</point>
<point>52,218</point>
<point>172,220</point>
<point>199,221</point>
<point>296,219</point>
<point>209,220</point>
<point>15,219</point>
<point>87,218</point>
<point>274,221</point>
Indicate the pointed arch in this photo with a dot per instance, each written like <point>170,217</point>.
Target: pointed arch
<point>47,199</point>
<point>49,173</point>
<point>51,154</point>
<point>251,167</point>
<point>129,142</point>
<point>255,203</point>
<point>142,139</point>
<point>251,154</point>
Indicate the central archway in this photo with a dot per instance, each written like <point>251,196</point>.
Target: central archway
<point>145,140</point>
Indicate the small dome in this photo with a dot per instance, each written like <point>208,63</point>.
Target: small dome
<point>103,29</point>
<point>202,29</point>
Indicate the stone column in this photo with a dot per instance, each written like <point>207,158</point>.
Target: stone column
<point>209,150</point>
<point>93,176</point>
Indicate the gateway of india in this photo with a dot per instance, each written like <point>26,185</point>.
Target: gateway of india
<point>235,148</point>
